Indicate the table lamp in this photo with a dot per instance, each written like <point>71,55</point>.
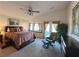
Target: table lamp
<point>1,30</point>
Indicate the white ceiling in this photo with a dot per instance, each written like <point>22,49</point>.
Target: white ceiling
<point>13,8</point>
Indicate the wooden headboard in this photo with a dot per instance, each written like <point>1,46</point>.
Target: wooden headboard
<point>13,28</point>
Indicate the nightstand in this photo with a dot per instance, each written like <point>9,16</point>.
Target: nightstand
<point>1,38</point>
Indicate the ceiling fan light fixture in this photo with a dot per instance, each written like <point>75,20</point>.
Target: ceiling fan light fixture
<point>29,11</point>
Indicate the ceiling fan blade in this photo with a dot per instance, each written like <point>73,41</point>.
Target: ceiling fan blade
<point>36,11</point>
<point>22,9</point>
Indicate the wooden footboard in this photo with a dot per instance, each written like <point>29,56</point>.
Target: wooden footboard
<point>25,44</point>
<point>11,43</point>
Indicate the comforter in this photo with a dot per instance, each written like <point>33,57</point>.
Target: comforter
<point>20,37</point>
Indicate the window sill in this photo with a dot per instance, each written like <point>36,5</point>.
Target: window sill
<point>74,36</point>
<point>36,31</point>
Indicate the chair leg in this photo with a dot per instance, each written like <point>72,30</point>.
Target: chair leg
<point>46,46</point>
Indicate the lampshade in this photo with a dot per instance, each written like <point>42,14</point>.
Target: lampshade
<point>1,30</point>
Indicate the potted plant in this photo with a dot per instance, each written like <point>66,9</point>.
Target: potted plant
<point>62,30</point>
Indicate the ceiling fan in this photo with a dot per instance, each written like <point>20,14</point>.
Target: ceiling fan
<point>29,10</point>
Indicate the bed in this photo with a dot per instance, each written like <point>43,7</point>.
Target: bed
<point>17,37</point>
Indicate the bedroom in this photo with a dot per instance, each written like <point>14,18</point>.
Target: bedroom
<point>31,20</point>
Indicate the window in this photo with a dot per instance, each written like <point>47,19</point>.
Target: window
<point>47,27</point>
<point>50,27</point>
<point>35,27</point>
<point>31,27</point>
<point>75,20</point>
<point>47,30</point>
<point>54,27</point>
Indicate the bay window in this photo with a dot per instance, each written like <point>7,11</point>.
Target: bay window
<point>36,27</point>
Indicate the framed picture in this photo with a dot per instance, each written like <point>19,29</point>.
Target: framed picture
<point>75,20</point>
<point>13,21</point>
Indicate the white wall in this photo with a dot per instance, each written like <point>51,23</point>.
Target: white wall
<point>69,17</point>
<point>4,22</point>
<point>25,24</point>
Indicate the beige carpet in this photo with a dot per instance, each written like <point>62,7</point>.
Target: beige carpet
<point>34,49</point>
